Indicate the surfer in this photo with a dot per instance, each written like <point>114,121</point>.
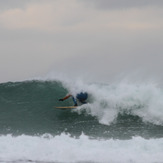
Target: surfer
<point>81,97</point>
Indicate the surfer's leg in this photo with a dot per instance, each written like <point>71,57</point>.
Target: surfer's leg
<point>74,100</point>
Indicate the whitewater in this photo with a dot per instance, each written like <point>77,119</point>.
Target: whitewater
<point>63,148</point>
<point>122,122</point>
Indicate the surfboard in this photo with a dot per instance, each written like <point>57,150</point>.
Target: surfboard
<point>65,107</point>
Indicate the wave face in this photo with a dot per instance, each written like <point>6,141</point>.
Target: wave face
<point>118,110</point>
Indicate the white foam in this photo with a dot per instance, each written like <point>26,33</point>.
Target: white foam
<point>64,148</point>
<point>142,99</point>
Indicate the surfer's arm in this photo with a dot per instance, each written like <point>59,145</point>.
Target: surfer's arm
<point>66,97</point>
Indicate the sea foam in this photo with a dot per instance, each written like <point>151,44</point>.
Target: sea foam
<point>63,148</point>
<point>107,101</point>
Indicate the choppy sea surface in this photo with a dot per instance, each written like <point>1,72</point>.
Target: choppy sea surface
<point>122,122</point>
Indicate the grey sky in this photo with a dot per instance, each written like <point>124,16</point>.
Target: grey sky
<point>122,4</point>
<point>92,38</point>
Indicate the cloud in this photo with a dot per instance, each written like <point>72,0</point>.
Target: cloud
<point>49,15</point>
<point>122,4</point>
<point>8,4</point>
<point>33,16</point>
<point>61,15</point>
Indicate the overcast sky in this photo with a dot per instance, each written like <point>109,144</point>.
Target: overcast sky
<point>94,38</point>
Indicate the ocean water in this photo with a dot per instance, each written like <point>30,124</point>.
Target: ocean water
<point>122,122</point>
